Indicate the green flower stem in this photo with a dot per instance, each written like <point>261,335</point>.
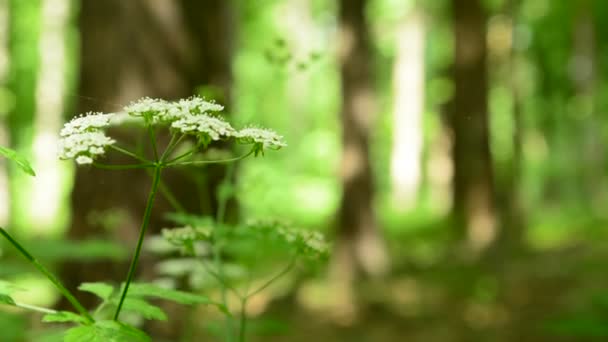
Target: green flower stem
<point>181,156</point>
<point>223,201</point>
<point>171,146</point>
<point>142,233</point>
<point>204,162</point>
<point>220,276</point>
<point>221,280</point>
<point>152,135</point>
<point>286,270</point>
<point>35,308</point>
<point>128,153</point>
<point>64,291</point>
<point>168,195</point>
<point>124,166</point>
<point>243,319</point>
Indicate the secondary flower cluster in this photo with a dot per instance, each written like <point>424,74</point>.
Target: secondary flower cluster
<point>186,235</point>
<point>83,138</point>
<point>310,243</point>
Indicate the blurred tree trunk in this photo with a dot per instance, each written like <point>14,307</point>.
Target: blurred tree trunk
<point>473,194</point>
<point>359,245</point>
<point>507,72</point>
<point>131,49</point>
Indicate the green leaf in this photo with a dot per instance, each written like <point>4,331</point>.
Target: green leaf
<point>62,317</point>
<point>105,331</point>
<point>101,290</point>
<point>147,310</point>
<point>6,299</point>
<point>6,289</point>
<point>181,297</point>
<point>21,162</point>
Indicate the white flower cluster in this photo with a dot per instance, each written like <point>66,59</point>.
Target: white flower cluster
<point>197,124</point>
<point>154,111</point>
<point>83,139</point>
<point>188,116</point>
<point>264,137</point>
<point>197,105</point>
<point>158,111</point>
<point>90,122</point>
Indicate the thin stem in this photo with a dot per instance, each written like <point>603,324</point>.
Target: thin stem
<point>204,162</point>
<point>142,233</point>
<point>171,146</point>
<point>124,166</point>
<point>243,319</point>
<point>128,153</point>
<point>181,156</point>
<point>168,195</point>
<point>286,270</point>
<point>220,275</point>
<point>221,280</point>
<point>223,201</point>
<point>35,308</point>
<point>152,136</point>
<point>62,289</point>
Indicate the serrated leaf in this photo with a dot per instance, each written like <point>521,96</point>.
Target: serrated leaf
<point>62,317</point>
<point>21,162</point>
<point>101,290</point>
<point>105,331</point>
<point>181,297</point>
<point>147,310</point>
<point>6,299</point>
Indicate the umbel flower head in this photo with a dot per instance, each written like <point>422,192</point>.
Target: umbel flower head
<point>158,111</point>
<point>153,111</point>
<point>90,122</point>
<point>262,138</point>
<point>84,148</point>
<point>198,105</point>
<point>83,139</point>
<point>206,127</point>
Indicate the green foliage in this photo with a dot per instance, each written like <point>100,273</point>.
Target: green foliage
<point>6,289</point>
<point>63,317</point>
<point>12,326</point>
<point>101,290</point>
<point>136,300</point>
<point>105,331</point>
<point>21,162</point>
<point>143,308</point>
<point>6,299</point>
<point>147,290</point>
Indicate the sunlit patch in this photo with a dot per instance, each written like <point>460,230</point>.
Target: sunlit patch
<point>314,195</point>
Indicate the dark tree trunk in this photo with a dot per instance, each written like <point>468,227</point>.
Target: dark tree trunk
<point>131,49</point>
<point>473,195</point>
<point>359,246</point>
